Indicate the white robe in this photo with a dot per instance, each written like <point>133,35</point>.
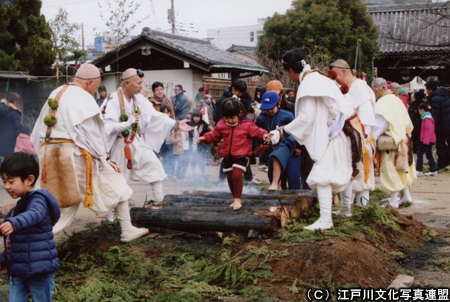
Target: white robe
<point>363,100</point>
<point>78,118</point>
<point>154,127</point>
<point>391,112</point>
<point>321,110</point>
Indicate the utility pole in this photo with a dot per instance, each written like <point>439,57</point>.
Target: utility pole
<point>173,17</point>
<point>356,56</point>
<point>82,36</point>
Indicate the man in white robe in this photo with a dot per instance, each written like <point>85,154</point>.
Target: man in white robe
<point>153,127</point>
<point>79,128</point>
<point>321,112</point>
<point>391,118</point>
<point>362,98</point>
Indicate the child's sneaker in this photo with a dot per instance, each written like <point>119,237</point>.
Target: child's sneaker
<point>431,173</point>
<point>419,173</point>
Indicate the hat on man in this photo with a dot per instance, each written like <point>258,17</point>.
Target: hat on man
<point>274,86</point>
<point>269,100</point>
<point>101,88</point>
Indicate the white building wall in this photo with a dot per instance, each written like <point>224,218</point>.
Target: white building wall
<point>224,38</point>
<point>190,79</point>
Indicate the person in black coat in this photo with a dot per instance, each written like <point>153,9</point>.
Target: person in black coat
<point>237,88</point>
<point>414,115</point>
<point>10,123</point>
<point>440,110</point>
<point>180,103</point>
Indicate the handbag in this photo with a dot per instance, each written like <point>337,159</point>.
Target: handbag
<point>386,143</point>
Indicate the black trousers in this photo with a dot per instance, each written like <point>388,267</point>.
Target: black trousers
<point>442,148</point>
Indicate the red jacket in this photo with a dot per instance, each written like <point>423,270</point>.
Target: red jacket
<point>404,99</point>
<point>427,135</point>
<point>237,141</point>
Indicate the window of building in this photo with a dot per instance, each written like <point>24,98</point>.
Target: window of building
<point>252,36</point>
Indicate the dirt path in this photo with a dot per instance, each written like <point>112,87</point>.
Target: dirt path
<point>431,201</point>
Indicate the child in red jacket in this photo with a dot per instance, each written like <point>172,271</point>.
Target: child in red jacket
<point>236,149</point>
<point>427,140</point>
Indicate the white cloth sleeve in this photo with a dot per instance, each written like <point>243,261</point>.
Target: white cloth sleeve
<point>275,137</point>
<point>91,137</point>
<point>366,114</point>
<point>381,124</point>
<point>119,127</point>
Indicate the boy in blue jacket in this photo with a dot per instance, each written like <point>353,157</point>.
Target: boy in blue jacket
<point>30,254</point>
<point>284,160</point>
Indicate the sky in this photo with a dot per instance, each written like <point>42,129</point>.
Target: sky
<point>194,16</point>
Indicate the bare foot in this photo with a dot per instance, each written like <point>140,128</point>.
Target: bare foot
<point>273,188</point>
<point>232,205</point>
<point>237,206</point>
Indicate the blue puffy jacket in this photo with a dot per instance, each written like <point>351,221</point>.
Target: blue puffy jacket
<point>440,108</point>
<point>33,250</point>
<point>269,123</point>
<point>281,118</point>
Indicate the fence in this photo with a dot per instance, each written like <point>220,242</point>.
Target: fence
<point>217,86</point>
<point>33,94</point>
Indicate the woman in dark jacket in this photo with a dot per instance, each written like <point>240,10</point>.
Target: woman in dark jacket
<point>414,115</point>
<point>10,123</point>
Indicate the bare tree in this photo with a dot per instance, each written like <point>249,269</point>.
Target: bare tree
<point>62,34</point>
<point>119,21</point>
<point>419,26</point>
<point>316,56</point>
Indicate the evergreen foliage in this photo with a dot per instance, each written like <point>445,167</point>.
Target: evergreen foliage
<point>325,30</point>
<point>62,34</point>
<point>179,274</point>
<point>25,38</point>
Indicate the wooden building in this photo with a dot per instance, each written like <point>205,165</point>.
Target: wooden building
<point>414,41</point>
<point>172,60</point>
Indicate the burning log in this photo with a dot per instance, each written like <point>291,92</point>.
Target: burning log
<point>197,221</point>
<point>284,195</point>
<point>181,200</point>
<point>210,211</point>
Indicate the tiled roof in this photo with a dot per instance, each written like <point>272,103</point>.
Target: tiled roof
<point>196,49</point>
<point>412,28</point>
<point>202,51</point>
<point>247,50</point>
